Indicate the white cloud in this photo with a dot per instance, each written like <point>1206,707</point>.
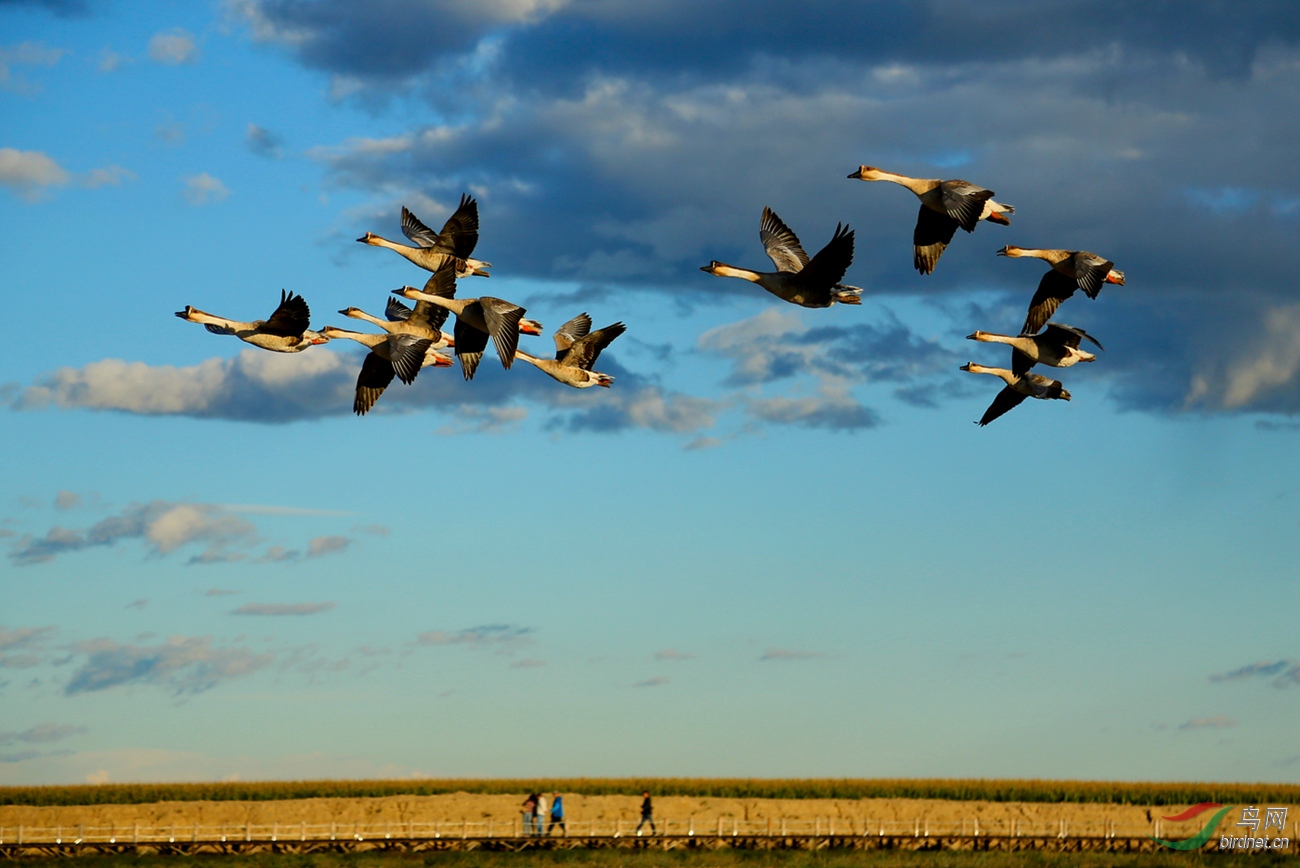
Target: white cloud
<point>489,634</point>
<point>173,47</point>
<point>790,654</point>
<point>24,54</point>
<point>109,176</point>
<point>327,545</point>
<point>203,189</point>
<point>67,500</point>
<point>111,61</point>
<point>29,173</point>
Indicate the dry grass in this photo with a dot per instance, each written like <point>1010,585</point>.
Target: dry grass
<point>1096,792</point>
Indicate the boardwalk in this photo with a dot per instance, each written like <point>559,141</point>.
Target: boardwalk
<point>19,842</point>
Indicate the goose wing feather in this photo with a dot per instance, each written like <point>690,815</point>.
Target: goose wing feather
<point>502,320</point>
<point>573,330</point>
<point>585,351</point>
<point>218,329</point>
<point>413,229</point>
<point>1007,399</point>
<point>460,232</point>
<point>290,319</point>
<point>827,268</point>
<point>781,244</point>
<point>964,202</point>
<point>1053,289</point>
<point>407,353</point>
<point>1068,335</point>
<point>376,374</point>
<point>1090,271</point>
<point>470,344</point>
<point>1020,363</point>
<point>441,283</point>
<point>395,311</point>
<point>933,234</point>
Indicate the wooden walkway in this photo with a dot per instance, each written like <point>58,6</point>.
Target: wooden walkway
<point>186,847</point>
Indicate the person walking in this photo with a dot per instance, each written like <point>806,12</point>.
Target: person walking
<point>557,814</point>
<point>539,815</point>
<point>530,811</point>
<point>647,814</point>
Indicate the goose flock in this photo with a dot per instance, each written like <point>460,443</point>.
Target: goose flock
<point>412,337</point>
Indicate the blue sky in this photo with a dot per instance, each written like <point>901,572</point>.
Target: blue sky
<point>777,546</point>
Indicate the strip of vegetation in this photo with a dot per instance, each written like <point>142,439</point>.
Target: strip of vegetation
<point>1108,792</point>
<point>681,859</point>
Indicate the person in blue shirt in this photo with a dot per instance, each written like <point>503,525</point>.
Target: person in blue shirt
<point>557,814</point>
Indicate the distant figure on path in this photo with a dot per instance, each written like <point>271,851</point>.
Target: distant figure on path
<point>647,814</point>
<point>539,815</point>
<point>530,811</point>
<point>557,814</point>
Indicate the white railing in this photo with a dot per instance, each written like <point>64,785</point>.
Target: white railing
<point>691,826</point>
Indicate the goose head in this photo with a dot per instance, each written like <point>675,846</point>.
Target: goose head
<point>711,268</point>
<point>353,312</point>
<point>316,338</point>
<point>868,173</point>
<point>331,332</point>
<point>185,314</point>
<point>1012,251</point>
<point>998,217</point>
<point>440,361</point>
<point>974,336</point>
<point>406,292</point>
<point>1115,276</point>
<point>530,327</point>
<point>602,379</point>
<point>368,238</point>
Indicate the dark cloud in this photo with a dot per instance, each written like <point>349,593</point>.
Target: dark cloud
<point>180,665</point>
<point>283,608</point>
<point>790,654</point>
<point>263,142</point>
<point>1283,673</point>
<point>43,733</point>
<point>489,634</point>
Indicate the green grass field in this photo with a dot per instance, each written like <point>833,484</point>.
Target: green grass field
<point>680,859</point>
<point>1109,792</point>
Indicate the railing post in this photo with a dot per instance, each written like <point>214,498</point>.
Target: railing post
<point>464,829</point>
<point>302,831</point>
<point>334,830</point>
<point>20,833</point>
<point>832,824</point>
<point>194,835</point>
<point>690,830</point>
<point>783,825</point>
<point>817,827</point>
<point>719,827</point>
<point>58,834</point>
<point>733,825</point>
<point>618,827</point>
<point>769,826</point>
<point>248,830</point>
<point>135,833</point>
<point>916,828</point>
<point>275,831</point>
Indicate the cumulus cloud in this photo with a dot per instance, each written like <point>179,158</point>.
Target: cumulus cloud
<point>790,654</point>
<point>109,176</point>
<point>162,525</point>
<point>1282,673</point>
<point>263,142</point>
<point>180,665</point>
<point>203,189</point>
<point>173,47</point>
<point>652,142</point>
<point>30,173</point>
<point>327,545</point>
<point>43,733</point>
<point>283,608</point>
<point>1218,721</point>
<point>489,634</point>
<point>277,554</point>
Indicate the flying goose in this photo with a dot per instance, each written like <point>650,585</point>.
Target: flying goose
<point>945,205</point>
<point>433,250</point>
<point>797,279</point>
<point>1058,346</point>
<point>576,350</point>
<point>477,319</point>
<point>286,331</point>
<point>1071,270</point>
<point>425,321</point>
<point>1018,388</point>
<point>390,355</point>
